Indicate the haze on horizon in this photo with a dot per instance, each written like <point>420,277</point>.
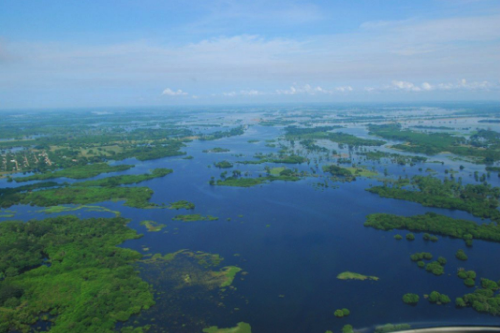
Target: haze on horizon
<point>158,53</point>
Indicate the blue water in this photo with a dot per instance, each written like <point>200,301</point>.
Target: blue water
<point>294,239</point>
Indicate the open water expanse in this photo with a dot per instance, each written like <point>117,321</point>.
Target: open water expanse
<point>293,239</point>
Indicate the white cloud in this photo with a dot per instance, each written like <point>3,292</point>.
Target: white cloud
<point>170,92</point>
<point>251,92</point>
<point>310,90</point>
<point>462,84</point>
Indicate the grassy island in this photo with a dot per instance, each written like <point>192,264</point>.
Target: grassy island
<point>84,260</point>
<point>355,276</point>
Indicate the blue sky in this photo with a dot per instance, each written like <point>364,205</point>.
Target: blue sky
<point>132,53</point>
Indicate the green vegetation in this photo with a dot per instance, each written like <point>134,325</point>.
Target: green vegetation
<point>217,150</point>
<point>421,255</point>
<point>319,132</point>
<point>342,313</point>
<point>387,328</point>
<point>63,209</point>
<point>84,261</point>
<point>223,134</point>
<point>194,217</point>
<point>480,200</point>
<point>126,179</point>
<point>77,172</point>
<point>437,298</point>
<point>438,224</point>
<point>240,328</point>
<point>153,226</point>
<point>355,276</point>
<point>484,145</point>
<point>223,165</point>
<point>181,204</point>
<point>347,329</point>
<point>249,182</point>
<point>86,192</point>
<point>137,197</point>
<point>411,299</point>
<point>434,268</point>
<point>461,255</point>
<point>394,158</point>
<point>410,236</point>
<point>484,299</point>
<point>398,237</point>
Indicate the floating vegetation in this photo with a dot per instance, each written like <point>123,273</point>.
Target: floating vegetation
<point>153,226</point>
<point>355,276</point>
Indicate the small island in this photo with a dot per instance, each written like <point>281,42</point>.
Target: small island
<point>355,276</point>
<point>153,226</point>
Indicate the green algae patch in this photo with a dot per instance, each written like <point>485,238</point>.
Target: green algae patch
<point>355,276</point>
<point>189,268</point>
<point>240,328</point>
<point>153,226</point>
<point>194,217</point>
<point>88,208</point>
<point>181,204</point>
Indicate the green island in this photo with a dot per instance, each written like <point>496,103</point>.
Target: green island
<point>88,208</point>
<point>194,217</point>
<point>480,200</point>
<point>181,204</point>
<point>410,298</point>
<point>340,313</point>
<point>77,172</point>
<point>84,193</point>
<point>437,224</point>
<point>126,179</point>
<point>239,328</point>
<point>284,175</point>
<point>84,260</point>
<point>484,299</point>
<point>438,298</point>
<point>223,165</point>
<point>355,276</point>
<point>460,255</point>
<point>153,226</point>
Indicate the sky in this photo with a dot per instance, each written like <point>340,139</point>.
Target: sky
<point>66,53</point>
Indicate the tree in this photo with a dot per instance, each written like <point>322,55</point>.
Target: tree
<point>398,237</point>
<point>460,303</point>
<point>461,255</point>
<point>434,297</point>
<point>410,236</point>
<point>469,282</point>
<point>442,261</point>
<point>346,312</point>
<point>338,313</point>
<point>347,329</point>
<point>411,299</point>
<point>444,299</point>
